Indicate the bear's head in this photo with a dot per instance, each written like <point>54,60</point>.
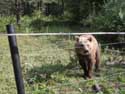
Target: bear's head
<point>83,44</point>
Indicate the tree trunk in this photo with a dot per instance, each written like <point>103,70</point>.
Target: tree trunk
<point>17,12</point>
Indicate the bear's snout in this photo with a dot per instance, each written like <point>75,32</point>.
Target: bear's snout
<point>81,45</point>
<point>83,49</point>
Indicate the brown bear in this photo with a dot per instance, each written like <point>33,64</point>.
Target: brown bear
<point>88,52</point>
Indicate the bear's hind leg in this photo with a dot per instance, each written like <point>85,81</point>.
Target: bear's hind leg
<point>97,63</point>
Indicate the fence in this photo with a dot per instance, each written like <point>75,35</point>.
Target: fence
<point>50,68</point>
<point>69,34</point>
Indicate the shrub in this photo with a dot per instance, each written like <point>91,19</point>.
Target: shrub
<point>4,21</point>
<point>110,19</point>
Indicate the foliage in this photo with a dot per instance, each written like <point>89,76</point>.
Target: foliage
<point>42,89</point>
<point>6,7</point>
<point>48,66</point>
<point>4,21</point>
<point>112,17</point>
<point>79,16</point>
<point>80,9</point>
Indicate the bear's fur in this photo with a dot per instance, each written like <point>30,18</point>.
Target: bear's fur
<point>88,53</point>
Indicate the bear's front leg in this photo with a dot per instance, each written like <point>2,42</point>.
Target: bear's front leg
<point>90,68</point>
<point>84,67</point>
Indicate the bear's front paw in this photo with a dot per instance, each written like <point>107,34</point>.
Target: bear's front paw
<point>85,77</point>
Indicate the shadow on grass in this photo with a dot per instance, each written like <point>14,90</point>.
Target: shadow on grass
<point>45,72</point>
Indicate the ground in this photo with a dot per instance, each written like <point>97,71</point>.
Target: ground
<point>49,66</point>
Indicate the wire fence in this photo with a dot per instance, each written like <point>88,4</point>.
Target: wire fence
<point>58,34</point>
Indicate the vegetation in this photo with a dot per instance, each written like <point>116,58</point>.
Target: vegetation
<point>99,15</point>
<point>71,16</point>
<point>46,71</point>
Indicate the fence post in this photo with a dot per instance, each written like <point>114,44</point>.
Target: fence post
<point>16,60</point>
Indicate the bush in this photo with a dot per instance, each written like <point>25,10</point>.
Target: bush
<point>110,19</point>
<point>4,21</point>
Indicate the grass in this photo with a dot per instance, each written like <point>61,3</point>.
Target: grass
<point>49,67</point>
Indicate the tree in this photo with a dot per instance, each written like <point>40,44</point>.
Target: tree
<point>6,7</point>
<point>80,9</point>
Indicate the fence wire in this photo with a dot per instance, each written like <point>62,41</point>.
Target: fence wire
<point>62,34</point>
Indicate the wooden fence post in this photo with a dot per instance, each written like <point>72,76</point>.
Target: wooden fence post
<point>16,60</point>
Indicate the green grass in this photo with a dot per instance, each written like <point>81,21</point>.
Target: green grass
<point>49,67</point>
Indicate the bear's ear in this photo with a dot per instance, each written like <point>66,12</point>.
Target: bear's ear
<point>77,38</point>
<point>90,39</point>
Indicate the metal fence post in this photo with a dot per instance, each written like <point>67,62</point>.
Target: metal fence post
<point>16,60</point>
